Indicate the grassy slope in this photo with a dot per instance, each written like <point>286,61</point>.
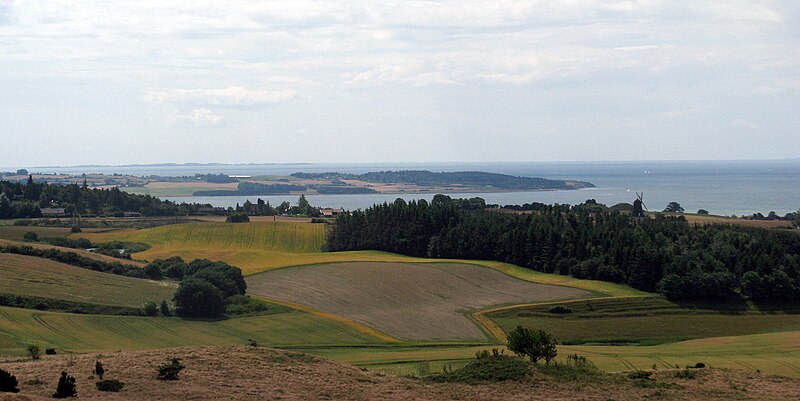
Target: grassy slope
<point>86,333</point>
<point>16,233</point>
<point>32,276</point>
<point>81,252</point>
<point>651,320</point>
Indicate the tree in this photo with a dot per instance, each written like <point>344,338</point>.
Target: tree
<point>198,298</point>
<point>165,309</point>
<point>34,351</point>
<point>674,207</point>
<point>546,345</point>
<point>521,342</point>
<point>31,236</point>
<point>8,382</point>
<point>702,211</point>
<point>303,206</point>
<point>65,387</point>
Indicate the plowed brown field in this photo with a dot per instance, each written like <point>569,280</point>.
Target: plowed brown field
<point>410,301</point>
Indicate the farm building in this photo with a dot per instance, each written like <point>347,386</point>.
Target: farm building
<point>53,211</point>
<point>328,212</point>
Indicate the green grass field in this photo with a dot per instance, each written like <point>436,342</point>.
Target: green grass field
<point>645,321</point>
<point>16,233</point>
<point>88,333</point>
<point>38,277</point>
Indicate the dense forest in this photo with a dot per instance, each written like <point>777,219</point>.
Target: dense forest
<point>663,254</point>
<point>18,200</point>
<point>466,178</point>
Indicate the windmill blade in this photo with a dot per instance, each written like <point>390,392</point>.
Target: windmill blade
<point>645,206</point>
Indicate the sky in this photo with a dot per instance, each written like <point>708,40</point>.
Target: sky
<point>123,82</point>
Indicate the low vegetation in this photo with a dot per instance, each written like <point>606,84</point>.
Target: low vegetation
<point>487,368</point>
<point>66,387</point>
<point>8,382</point>
<point>170,370</point>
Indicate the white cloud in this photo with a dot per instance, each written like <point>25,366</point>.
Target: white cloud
<point>741,122</point>
<point>197,117</point>
<point>231,96</point>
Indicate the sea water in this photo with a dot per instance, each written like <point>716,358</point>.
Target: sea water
<point>721,187</point>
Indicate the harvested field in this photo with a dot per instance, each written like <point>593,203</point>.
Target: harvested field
<point>16,233</point>
<point>412,301</point>
<point>45,278</point>
<point>239,373</point>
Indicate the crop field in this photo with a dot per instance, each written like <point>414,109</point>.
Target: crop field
<point>87,333</point>
<point>38,277</point>
<point>644,321</point>
<point>770,353</point>
<point>410,301</point>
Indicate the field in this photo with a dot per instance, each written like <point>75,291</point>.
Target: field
<point>702,219</point>
<point>410,301</point>
<point>643,321</point>
<point>16,233</point>
<point>38,277</point>
<point>246,373</point>
<point>81,252</point>
<point>89,333</point>
<point>772,353</point>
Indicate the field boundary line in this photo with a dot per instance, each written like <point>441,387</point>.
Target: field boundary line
<point>360,327</point>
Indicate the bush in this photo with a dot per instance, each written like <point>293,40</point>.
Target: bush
<point>640,375</point>
<point>198,298</point>
<point>31,236</point>
<point>685,374</point>
<point>66,387</point>
<point>170,371</point>
<point>75,229</point>
<point>699,365</point>
<point>576,368</point>
<point>110,385</point>
<point>34,351</point>
<point>560,310</point>
<point>50,351</point>
<point>492,369</point>
<point>237,218</point>
<point>150,309</point>
<point>99,370</point>
<point>8,383</point>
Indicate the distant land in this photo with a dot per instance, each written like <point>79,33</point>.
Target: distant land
<point>327,183</point>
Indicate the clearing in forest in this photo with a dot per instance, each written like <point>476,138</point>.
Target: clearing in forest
<point>411,301</point>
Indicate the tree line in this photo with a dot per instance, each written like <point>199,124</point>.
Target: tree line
<point>25,200</point>
<point>663,254</point>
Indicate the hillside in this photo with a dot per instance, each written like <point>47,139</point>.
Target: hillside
<point>239,373</point>
<point>44,278</point>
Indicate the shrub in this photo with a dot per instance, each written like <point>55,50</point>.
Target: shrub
<point>99,370</point>
<point>75,229</point>
<point>685,374</point>
<point>699,365</point>
<point>237,218</point>
<point>66,387</point>
<point>31,236</point>
<point>8,383</point>
<point>34,351</point>
<point>575,368</point>
<point>110,385</point>
<point>50,351</point>
<point>560,310</point>
<point>150,309</point>
<point>491,368</point>
<point>640,375</point>
<point>170,371</point>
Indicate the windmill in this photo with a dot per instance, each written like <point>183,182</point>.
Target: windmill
<point>638,206</point>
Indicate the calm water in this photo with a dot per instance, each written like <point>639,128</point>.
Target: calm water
<point>721,187</point>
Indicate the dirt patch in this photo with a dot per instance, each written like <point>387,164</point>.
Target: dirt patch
<point>413,301</point>
<point>242,373</point>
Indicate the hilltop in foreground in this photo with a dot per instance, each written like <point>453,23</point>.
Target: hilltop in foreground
<point>248,373</point>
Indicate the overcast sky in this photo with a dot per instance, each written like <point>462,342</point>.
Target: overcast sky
<point>117,82</point>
